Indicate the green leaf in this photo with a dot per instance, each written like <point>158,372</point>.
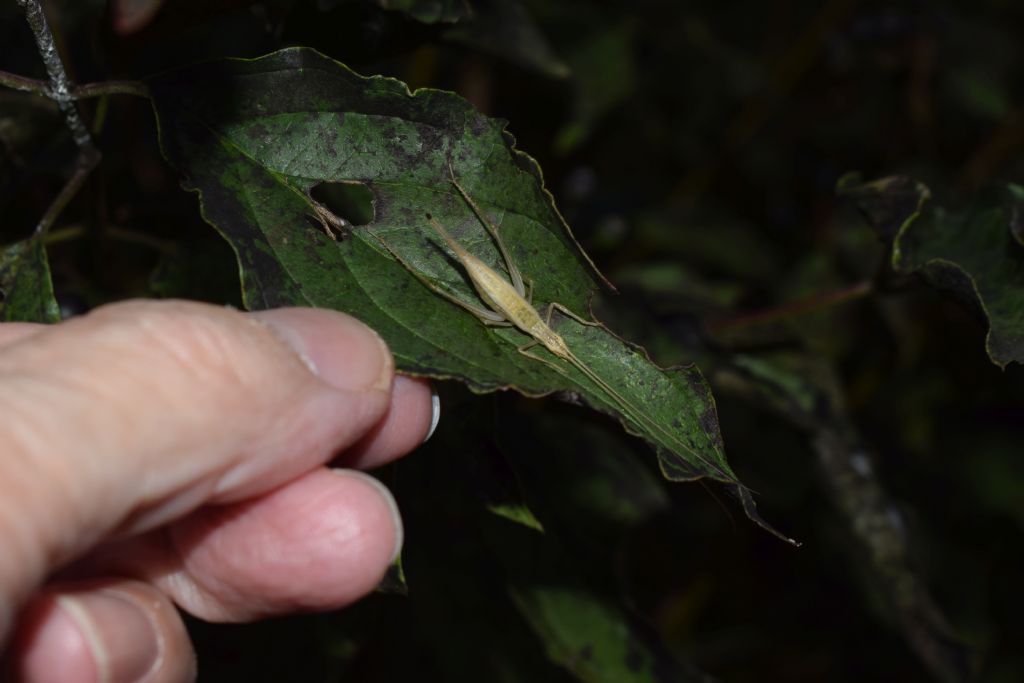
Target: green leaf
<point>583,629</point>
<point>520,514</point>
<point>394,580</point>
<point>463,586</point>
<point>976,253</point>
<point>26,292</point>
<point>585,480</point>
<point>796,385</point>
<point>495,478</point>
<point>589,636</point>
<point>887,203</point>
<point>255,137</point>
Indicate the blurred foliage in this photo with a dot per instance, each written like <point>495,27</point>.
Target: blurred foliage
<point>695,149</point>
<point>975,254</point>
<point>26,292</point>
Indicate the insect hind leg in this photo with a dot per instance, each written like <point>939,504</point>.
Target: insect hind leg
<point>486,316</point>
<point>525,350</point>
<point>553,306</point>
<point>492,230</point>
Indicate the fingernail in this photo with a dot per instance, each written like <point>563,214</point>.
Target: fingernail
<point>385,493</point>
<point>339,349</point>
<point>121,639</point>
<point>435,413</point>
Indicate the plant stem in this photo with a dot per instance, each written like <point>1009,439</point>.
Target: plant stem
<point>77,230</point>
<point>68,234</point>
<point>792,309</point>
<point>88,158</point>
<point>24,84</point>
<point>60,87</point>
<point>136,88</point>
<point>132,237</point>
<point>78,92</point>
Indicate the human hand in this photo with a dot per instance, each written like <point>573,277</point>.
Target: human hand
<point>173,452</point>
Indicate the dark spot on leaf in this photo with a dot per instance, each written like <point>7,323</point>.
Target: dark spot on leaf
<point>331,132</point>
<point>478,125</point>
<point>258,132</point>
<point>709,424</point>
<point>431,139</point>
<point>587,653</point>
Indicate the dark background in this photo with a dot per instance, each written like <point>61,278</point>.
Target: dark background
<point>695,149</point>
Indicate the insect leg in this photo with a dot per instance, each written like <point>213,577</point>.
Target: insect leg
<point>486,316</point>
<point>492,230</point>
<point>562,309</point>
<point>524,349</point>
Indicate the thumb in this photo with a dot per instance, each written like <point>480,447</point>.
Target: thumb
<point>138,413</point>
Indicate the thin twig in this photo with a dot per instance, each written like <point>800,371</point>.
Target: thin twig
<point>66,234</point>
<point>794,308</point>
<point>88,157</point>
<point>132,237</point>
<point>69,233</point>
<point>24,84</point>
<point>875,520</point>
<point>78,92</point>
<point>136,88</point>
<point>60,87</point>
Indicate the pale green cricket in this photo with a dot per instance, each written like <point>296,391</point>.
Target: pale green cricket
<point>509,304</point>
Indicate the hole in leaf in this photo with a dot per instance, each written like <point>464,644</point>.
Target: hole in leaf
<point>352,202</point>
